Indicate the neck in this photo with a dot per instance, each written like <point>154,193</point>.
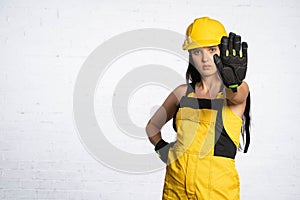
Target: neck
<point>211,83</point>
<point>209,87</point>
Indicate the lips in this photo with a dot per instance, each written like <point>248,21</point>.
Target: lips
<point>206,67</point>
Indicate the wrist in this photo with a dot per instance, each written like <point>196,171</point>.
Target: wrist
<point>160,144</point>
<point>239,96</point>
<point>233,87</point>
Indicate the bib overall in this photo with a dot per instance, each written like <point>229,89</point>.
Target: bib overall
<point>201,162</point>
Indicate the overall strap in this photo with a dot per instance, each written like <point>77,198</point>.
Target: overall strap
<point>190,88</point>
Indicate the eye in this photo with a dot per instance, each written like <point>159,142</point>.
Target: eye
<point>196,52</point>
<point>212,49</point>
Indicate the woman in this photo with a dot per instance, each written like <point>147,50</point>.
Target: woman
<point>209,113</point>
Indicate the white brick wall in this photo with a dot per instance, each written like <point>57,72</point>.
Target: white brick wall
<point>43,45</point>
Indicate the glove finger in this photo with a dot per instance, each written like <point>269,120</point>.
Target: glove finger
<point>218,63</point>
<point>244,49</point>
<point>237,45</point>
<point>224,45</point>
<point>230,44</point>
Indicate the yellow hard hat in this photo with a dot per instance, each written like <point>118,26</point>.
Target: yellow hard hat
<point>204,32</point>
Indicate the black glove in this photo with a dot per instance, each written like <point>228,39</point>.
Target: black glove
<point>162,149</point>
<point>232,65</point>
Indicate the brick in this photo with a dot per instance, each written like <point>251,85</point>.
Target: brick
<point>19,194</point>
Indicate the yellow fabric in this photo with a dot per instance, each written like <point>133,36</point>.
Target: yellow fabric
<point>194,172</point>
<point>200,126</point>
<point>232,124</point>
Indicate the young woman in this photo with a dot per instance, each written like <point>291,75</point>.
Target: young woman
<point>209,113</point>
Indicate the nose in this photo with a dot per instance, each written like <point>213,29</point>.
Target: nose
<point>205,56</point>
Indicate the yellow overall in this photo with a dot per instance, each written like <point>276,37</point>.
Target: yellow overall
<point>201,162</point>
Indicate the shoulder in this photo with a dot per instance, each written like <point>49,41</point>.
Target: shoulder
<point>180,91</point>
<point>174,97</point>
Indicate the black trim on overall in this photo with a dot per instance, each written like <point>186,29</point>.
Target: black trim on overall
<point>224,146</point>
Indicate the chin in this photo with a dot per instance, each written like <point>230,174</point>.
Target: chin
<point>208,73</point>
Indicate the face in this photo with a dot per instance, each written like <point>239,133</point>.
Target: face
<point>203,60</point>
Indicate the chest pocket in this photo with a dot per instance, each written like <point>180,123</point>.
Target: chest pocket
<point>195,123</point>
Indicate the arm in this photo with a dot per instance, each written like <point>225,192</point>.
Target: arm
<point>164,114</point>
<point>238,97</point>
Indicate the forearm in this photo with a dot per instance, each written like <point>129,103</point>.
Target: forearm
<point>161,147</point>
<point>155,138</point>
<point>239,96</point>
<point>153,133</point>
<point>163,115</point>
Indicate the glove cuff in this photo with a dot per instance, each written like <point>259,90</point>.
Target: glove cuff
<point>160,144</point>
<point>234,87</point>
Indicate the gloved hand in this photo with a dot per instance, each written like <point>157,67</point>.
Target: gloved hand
<point>162,149</point>
<point>231,64</point>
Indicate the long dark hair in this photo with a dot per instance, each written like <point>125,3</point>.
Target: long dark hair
<point>193,76</point>
<point>246,123</point>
